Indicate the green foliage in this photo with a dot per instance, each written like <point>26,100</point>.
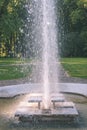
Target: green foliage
<point>77,15</point>
<point>13,15</point>
<point>72,28</point>
<point>73,36</point>
<point>73,45</point>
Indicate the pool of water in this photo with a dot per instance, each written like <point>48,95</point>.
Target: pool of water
<point>9,106</point>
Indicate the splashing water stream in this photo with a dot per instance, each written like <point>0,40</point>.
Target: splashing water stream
<point>49,49</point>
<point>43,35</point>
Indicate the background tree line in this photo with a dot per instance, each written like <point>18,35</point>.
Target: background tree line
<point>16,23</point>
<point>13,16</point>
<point>73,28</point>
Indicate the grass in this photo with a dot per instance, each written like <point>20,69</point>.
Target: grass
<point>11,68</point>
<point>5,61</point>
<point>76,67</point>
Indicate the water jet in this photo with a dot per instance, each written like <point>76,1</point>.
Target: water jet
<point>47,105</point>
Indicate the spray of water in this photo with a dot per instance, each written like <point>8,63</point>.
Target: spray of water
<point>44,40</point>
<point>49,50</point>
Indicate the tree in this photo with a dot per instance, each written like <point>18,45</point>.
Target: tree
<point>13,15</point>
<point>74,15</point>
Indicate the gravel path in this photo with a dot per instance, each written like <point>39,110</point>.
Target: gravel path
<point>63,78</point>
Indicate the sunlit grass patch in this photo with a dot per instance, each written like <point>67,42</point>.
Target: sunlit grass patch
<point>75,67</point>
<point>13,69</point>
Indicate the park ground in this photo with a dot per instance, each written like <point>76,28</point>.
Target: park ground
<point>17,71</point>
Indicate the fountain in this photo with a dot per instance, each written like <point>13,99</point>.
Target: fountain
<point>51,104</point>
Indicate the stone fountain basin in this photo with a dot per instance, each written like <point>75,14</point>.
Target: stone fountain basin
<point>14,90</point>
<point>62,110</point>
<point>25,114</point>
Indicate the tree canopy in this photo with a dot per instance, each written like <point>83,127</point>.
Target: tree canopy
<point>72,28</point>
<point>12,20</point>
<point>73,19</point>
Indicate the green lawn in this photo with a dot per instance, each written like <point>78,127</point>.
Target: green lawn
<point>11,68</point>
<point>76,67</point>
